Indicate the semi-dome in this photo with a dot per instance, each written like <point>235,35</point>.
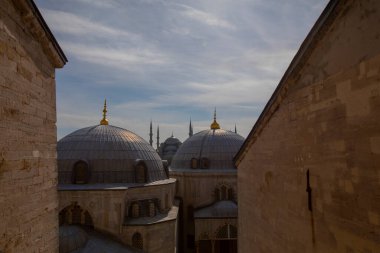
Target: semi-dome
<point>208,149</point>
<point>107,154</point>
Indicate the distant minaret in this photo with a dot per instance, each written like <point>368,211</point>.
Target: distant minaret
<point>190,129</point>
<point>151,134</point>
<point>235,129</point>
<point>158,138</point>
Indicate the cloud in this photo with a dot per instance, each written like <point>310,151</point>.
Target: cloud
<point>69,23</point>
<point>206,18</point>
<point>169,61</point>
<point>101,3</point>
<point>116,57</point>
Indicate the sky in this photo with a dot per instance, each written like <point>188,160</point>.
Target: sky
<point>169,61</point>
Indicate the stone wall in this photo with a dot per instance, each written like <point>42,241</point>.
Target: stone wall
<point>104,207</point>
<point>326,122</point>
<point>196,189</point>
<point>28,177</point>
<point>157,238</point>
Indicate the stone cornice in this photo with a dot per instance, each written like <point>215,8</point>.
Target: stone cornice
<point>39,29</point>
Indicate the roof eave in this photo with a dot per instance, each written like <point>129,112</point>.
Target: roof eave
<point>38,27</point>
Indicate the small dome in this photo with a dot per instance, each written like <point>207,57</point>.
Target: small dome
<point>214,147</point>
<point>172,140</point>
<point>110,153</point>
<point>71,239</point>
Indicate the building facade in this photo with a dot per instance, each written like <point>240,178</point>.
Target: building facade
<point>206,188</point>
<point>29,55</point>
<point>308,173</point>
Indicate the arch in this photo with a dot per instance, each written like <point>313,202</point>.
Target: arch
<point>75,215</point>
<point>80,172</point>
<point>140,171</point>
<point>227,231</point>
<point>135,210</point>
<point>137,241</point>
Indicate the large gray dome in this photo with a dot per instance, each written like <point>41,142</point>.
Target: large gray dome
<point>110,155</point>
<point>208,149</point>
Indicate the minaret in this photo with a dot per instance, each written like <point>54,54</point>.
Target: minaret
<point>104,121</point>
<point>190,129</point>
<point>158,138</point>
<point>151,134</point>
<point>235,129</point>
<point>214,125</point>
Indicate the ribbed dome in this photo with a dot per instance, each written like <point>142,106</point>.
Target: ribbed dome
<point>111,154</point>
<point>212,149</point>
<point>172,140</point>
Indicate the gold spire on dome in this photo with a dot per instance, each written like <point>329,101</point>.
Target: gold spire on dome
<point>104,121</point>
<point>215,125</point>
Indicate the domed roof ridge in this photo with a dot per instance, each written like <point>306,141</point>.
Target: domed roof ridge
<point>111,153</point>
<point>217,146</point>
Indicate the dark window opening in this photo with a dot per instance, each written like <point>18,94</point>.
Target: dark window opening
<point>74,214</point>
<point>194,163</point>
<point>81,172</point>
<point>137,241</point>
<point>205,163</point>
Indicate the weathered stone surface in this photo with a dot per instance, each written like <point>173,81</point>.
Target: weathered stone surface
<point>28,195</point>
<point>327,121</point>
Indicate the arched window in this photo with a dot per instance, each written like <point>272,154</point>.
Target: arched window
<point>152,209</point>
<point>87,219</point>
<point>194,163</point>
<point>137,240</point>
<point>135,212</point>
<point>205,163</point>
<point>81,172</point>
<point>75,214</point>
<point>141,171</point>
<point>227,232</point>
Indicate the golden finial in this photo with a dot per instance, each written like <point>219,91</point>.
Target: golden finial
<point>215,125</point>
<point>104,121</point>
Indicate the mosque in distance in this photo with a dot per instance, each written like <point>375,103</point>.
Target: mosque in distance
<point>306,179</point>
